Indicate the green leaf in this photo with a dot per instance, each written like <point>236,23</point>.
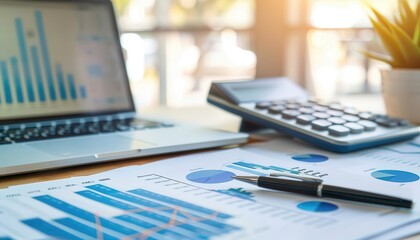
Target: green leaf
<point>378,56</point>
<point>407,47</point>
<point>410,17</point>
<point>416,36</point>
<point>389,41</point>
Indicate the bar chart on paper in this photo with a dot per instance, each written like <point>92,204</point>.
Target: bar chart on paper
<point>31,75</point>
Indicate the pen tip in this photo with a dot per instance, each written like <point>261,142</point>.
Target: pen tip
<point>234,177</point>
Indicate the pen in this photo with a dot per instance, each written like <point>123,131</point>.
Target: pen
<point>315,187</point>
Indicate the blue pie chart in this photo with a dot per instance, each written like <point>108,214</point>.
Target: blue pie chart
<point>395,176</point>
<point>317,206</point>
<point>312,158</point>
<point>210,176</point>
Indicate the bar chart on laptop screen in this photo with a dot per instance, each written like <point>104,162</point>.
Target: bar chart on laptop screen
<point>58,59</point>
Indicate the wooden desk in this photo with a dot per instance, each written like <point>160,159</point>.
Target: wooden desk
<point>221,120</point>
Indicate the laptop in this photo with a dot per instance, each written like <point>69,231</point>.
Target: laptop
<point>64,92</point>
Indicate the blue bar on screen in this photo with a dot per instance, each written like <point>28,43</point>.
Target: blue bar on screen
<point>49,229</point>
<point>6,238</point>
<point>6,83</point>
<point>72,86</point>
<point>38,75</point>
<point>45,54</point>
<point>83,92</point>
<point>80,227</point>
<point>61,85</point>
<point>25,60</point>
<point>16,76</point>
<point>85,215</point>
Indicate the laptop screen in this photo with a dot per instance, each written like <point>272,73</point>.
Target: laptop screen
<point>60,58</point>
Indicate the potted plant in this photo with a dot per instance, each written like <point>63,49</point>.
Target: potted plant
<point>400,37</point>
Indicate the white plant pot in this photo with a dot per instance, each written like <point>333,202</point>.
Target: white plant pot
<point>401,92</point>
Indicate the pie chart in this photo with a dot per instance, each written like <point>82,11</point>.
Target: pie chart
<point>395,176</point>
<point>317,206</point>
<point>312,158</point>
<point>210,176</point>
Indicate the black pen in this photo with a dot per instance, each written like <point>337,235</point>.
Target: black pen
<point>315,187</point>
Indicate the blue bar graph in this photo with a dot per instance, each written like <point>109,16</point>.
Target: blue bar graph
<point>45,54</point>
<point>60,78</point>
<point>16,76</point>
<point>80,227</point>
<point>85,215</point>
<point>83,92</point>
<point>38,74</point>
<point>5,238</point>
<point>25,60</point>
<point>72,86</point>
<point>6,82</point>
<point>49,229</point>
<point>42,79</point>
<point>179,203</point>
<point>243,169</point>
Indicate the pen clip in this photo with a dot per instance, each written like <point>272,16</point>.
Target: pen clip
<point>304,179</point>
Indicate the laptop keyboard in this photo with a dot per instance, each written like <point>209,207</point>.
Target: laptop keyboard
<point>25,134</point>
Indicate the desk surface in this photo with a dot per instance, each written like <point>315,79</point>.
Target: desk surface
<point>193,115</point>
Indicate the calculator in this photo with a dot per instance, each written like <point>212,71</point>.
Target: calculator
<point>280,104</point>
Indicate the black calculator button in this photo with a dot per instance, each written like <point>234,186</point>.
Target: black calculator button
<point>387,122</point>
<point>306,110</point>
<point>350,118</point>
<point>338,130</point>
<point>321,115</point>
<point>368,125</point>
<point>366,116</point>
<point>321,124</point>
<point>351,111</point>
<point>337,120</point>
<point>276,109</point>
<point>335,113</point>
<point>290,114</point>
<point>263,105</point>
<point>305,119</point>
<point>354,127</point>
<point>403,122</point>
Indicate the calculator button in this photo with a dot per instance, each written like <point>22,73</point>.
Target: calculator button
<point>337,120</point>
<point>366,116</point>
<point>307,104</point>
<point>402,122</point>
<point>350,118</point>
<point>338,130</point>
<point>263,105</point>
<point>335,113</point>
<point>306,110</point>
<point>387,122</point>
<point>321,124</point>
<point>320,108</point>
<point>292,106</point>
<point>305,119</point>
<point>351,111</point>
<point>290,114</point>
<point>368,125</point>
<point>354,127</point>
<point>321,115</point>
<point>336,106</point>
<point>276,109</point>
